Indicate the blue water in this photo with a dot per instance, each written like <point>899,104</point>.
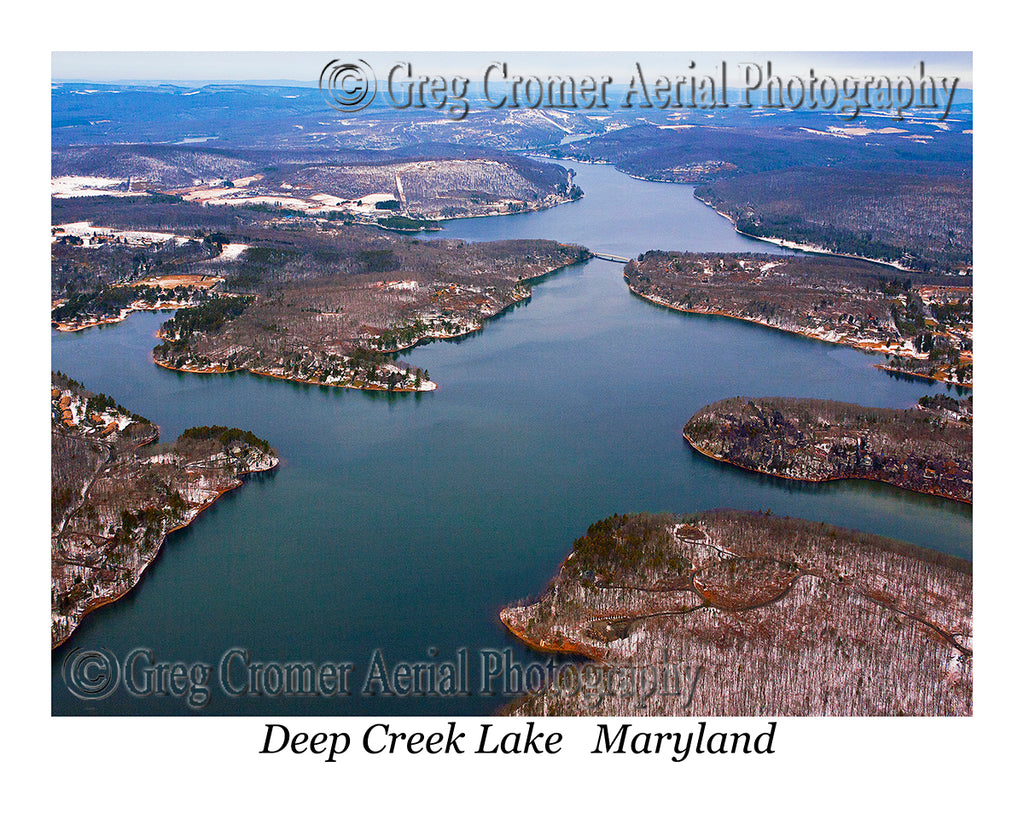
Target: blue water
<point>406,522</point>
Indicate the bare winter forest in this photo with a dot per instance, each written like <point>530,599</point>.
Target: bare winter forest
<point>115,494</point>
<point>922,324</point>
<point>782,617</point>
<point>899,192</point>
<point>310,300</point>
<point>925,449</point>
<point>448,183</point>
<point>329,312</point>
<point>923,222</point>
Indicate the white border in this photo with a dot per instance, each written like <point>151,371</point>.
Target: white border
<point>156,766</point>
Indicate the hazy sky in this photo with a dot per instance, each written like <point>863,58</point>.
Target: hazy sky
<point>305,67</point>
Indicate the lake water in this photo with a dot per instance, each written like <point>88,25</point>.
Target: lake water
<point>406,522</point>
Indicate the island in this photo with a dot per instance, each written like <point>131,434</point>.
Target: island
<point>922,324</point>
<point>925,449</point>
<point>758,615</point>
<point>116,494</point>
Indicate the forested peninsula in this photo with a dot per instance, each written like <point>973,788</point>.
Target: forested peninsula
<point>925,449</point>
<point>116,494</point>
<point>762,615</point>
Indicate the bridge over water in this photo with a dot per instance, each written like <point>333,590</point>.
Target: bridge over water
<point>611,258</point>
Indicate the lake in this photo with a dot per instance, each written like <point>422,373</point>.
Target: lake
<point>405,522</point>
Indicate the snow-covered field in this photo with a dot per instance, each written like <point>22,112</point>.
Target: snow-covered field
<point>64,187</point>
<point>233,250</point>
<point>87,231</point>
